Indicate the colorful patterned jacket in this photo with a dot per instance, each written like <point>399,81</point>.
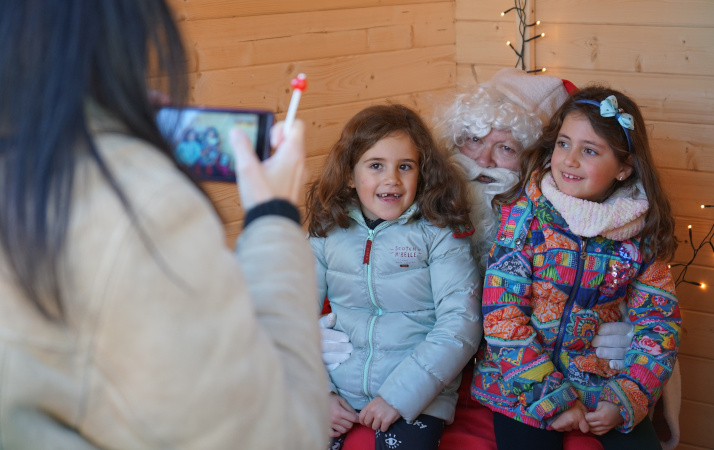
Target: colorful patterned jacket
<point>546,293</point>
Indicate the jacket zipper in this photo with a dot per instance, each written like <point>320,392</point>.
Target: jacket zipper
<point>583,255</point>
<point>368,261</point>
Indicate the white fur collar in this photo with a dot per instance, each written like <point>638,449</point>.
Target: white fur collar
<point>620,217</point>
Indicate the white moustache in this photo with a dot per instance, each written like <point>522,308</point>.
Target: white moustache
<point>503,179</point>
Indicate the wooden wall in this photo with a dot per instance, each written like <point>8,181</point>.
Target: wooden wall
<point>243,53</point>
<point>661,53</point>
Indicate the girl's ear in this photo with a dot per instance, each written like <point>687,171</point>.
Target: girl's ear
<point>625,171</point>
<point>350,183</point>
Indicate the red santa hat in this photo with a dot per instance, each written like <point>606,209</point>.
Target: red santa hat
<point>540,94</point>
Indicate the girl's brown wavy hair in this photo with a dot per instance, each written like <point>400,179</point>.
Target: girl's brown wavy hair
<point>659,242</point>
<point>441,195</point>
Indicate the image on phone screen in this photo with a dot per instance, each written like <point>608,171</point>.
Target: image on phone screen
<point>200,138</point>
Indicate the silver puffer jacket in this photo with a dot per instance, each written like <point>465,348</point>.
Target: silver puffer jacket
<point>408,294</point>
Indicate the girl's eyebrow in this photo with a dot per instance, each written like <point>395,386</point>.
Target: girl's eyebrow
<point>592,143</point>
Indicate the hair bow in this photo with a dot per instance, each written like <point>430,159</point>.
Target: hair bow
<point>608,108</point>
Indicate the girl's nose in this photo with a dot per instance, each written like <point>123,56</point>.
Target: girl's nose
<point>571,159</point>
<point>485,158</point>
<point>392,178</point>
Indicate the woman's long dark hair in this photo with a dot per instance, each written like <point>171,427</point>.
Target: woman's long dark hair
<point>54,56</point>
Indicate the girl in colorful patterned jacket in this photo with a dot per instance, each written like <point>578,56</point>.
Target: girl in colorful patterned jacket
<point>386,221</point>
<point>584,239</point>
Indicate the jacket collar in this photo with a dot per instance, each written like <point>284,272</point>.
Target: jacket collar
<point>354,211</point>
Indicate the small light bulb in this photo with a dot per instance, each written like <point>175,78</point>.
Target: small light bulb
<point>669,266</point>
<point>543,69</point>
<point>703,285</point>
<point>503,14</point>
<point>702,206</point>
<point>508,42</point>
<point>537,22</point>
<point>542,35</point>
<point>689,226</point>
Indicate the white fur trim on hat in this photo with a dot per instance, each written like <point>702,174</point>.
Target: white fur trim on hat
<point>541,95</point>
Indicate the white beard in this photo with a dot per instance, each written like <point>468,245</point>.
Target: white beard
<point>484,220</point>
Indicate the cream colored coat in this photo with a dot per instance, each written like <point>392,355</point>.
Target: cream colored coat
<point>192,347</point>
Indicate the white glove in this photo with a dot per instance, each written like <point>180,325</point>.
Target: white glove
<point>612,341</point>
<point>336,346</point>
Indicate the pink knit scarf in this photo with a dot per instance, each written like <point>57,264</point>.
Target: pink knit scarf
<point>620,217</point>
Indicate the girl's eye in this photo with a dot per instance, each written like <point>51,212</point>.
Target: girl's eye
<point>589,151</point>
<point>561,144</point>
<point>375,166</point>
<point>405,167</point>
<point>475,139</point>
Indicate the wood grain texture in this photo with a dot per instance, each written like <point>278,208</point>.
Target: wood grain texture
<point>690,13</point>
<point>645,49</point>
<point>332,81</point>
<point>249,41</point>
<point>696,421</point>
<point>210,9</point>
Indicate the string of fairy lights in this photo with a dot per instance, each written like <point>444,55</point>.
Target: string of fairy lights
<point>706,241</point>
<point>523,28</point>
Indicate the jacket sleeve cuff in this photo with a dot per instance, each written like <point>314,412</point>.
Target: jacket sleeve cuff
<point>631,401</point>
<point>561,399</point>
<point>398,389</point>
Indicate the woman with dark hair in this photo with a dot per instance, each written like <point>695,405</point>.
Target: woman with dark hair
<point>124,320</point>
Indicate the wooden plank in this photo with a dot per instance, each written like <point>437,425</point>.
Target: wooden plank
<point>485,10</point>
<point>682,145</point>
<point>688,190</point>
<point>485,43</point>
<point>334,81</point>
<point>700,227</point>
<point>651,49</point>
<point>696,379</point>
<point>695,421</point>
<point>630,12</point>
<point>695,298</point>
<point>697,334</point>
<point>244,41</point>
<point>211,9</point>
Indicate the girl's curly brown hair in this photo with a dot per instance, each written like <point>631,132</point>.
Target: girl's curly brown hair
<point>658,231</point>
<point>441,195</point>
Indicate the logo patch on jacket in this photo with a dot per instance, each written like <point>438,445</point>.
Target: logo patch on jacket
<point>405,255</point>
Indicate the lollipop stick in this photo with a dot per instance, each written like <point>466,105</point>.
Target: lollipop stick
<point>299,84</point>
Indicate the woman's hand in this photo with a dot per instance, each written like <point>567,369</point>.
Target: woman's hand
<point>282,176</point>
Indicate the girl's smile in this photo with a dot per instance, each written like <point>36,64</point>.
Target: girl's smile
<point>386,177</point>
<point>583,164</point>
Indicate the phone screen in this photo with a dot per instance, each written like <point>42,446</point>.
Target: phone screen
<point>200,137</point>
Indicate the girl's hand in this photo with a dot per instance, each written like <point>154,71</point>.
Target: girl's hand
<point>605,417</point>
<point>281,176</point>
<point>342,416</point>
<point>378,415</point>
<point>572,419</point>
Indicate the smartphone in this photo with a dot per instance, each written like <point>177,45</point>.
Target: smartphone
<point>200,137</point>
